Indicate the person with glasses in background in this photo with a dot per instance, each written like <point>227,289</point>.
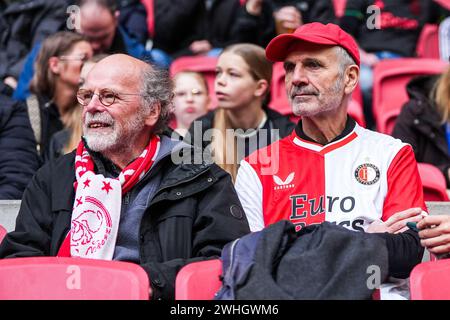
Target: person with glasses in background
<point>191,99</point>
<point>66,140</point>
<point>163,211</point>
<point>55,84</point>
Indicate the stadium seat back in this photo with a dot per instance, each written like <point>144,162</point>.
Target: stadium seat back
<point>428,42</point>
<point>149,7</point>
<point>339,7</point>
<point>433,181</point>
<point>202,64</point>
<point>3,233</point>
<point>198,280</point>
<point>389,87</point>
<point>431,280</point>
<point>53,278</point>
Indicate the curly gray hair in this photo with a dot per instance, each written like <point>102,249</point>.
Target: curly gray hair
<point>157,88</point>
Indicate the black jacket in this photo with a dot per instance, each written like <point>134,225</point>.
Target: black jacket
<point>193,214</point>
<point>277,120</point>
<point>22,25</point>
<point>180,22</point>
<point>419,124</point>
<point>401,23</point>
<point>311,10</point>
<point>18,157</point>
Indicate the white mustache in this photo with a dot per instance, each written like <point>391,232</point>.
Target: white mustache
<point>103,117</point>
<point>301,90</point>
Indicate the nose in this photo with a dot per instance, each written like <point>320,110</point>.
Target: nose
<point>220,80</point>
<point>299,76</point>
<point>94,105</point>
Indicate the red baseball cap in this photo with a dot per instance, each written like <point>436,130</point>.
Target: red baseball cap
<point>315,32</point>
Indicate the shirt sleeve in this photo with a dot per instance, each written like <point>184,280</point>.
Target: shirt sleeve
<point>404,184</point>
<point>249,190</point>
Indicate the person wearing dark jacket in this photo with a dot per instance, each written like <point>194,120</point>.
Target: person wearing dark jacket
<point>23,24</point>
<point>18,156</point>
<point>424,121</point>
<point>386,29</point>
<point>242,87</point>
<point>128,193</point>
<point>195,27</point>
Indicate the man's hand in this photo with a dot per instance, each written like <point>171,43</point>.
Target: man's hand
<point>10,81</point>
<point>435,233</point>
<point>287,19</point>
<point>397,222</point>
<point>254,7</point>
<point>200,47</point>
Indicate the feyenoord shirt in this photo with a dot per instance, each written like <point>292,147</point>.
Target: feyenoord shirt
<point>359,177</point>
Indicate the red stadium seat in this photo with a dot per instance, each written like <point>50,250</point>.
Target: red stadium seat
<point>149,7</point>
<point>52,278</point>
<point>433,181</point>
<point>431,280</point>
<point>389,86</point>
<point>198,280</point>
<point>3,233</point>
<point>203,64</point>
<point>444,3</point>
<point>428,43</point>
<point>280,102</point>
<point>339,7</point>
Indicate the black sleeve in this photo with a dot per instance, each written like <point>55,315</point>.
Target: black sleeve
<point>404,251</point>
<point>254,29</point>
<point>18,155</point>
<point>32,234</point>
<point>354,16</point>
<point>220,219</point>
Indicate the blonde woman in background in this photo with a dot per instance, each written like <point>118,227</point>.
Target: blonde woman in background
<point>242,87</point>
<point>55,84</point>
<point>66,140</point>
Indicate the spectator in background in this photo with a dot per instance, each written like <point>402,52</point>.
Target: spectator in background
<point>133,18</point>
<point>18,156</point>
<point>289,14</point>
<point>424,121</point>
<point>391,34</point>
<point>55,84</point>
<point>99,24</point>
<point>242,87</point>
<point>330,168</point>
<point>23,24</point>
<point>123,169</point>
<point>199,27</point>
<point>191,99</point>
<point>67,139</point>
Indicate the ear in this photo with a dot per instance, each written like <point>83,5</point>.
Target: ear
<point>116,15</point>
<point>262,87</point>
<point>153,116</point>
<point>351,79</point>
<point>54,65</point>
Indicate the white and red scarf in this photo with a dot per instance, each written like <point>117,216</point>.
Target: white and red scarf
<point>98,201</point>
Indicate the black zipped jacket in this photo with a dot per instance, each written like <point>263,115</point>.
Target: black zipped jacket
<point>193,214</point>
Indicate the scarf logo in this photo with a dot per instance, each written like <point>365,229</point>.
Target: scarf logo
<point>91,228</point>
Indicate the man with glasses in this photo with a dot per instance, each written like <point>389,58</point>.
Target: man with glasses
<point>121,195</point>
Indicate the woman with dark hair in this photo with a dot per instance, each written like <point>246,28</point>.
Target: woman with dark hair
<point>242,120</point>
<point>55,83</point>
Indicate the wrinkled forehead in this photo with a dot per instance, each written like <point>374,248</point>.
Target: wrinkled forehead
<point>115,77</point>
<point>302,49</point>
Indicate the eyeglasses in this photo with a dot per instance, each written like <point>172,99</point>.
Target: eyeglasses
<point>106,96</point>
<point>193,92</point>
<point>75,57</point>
